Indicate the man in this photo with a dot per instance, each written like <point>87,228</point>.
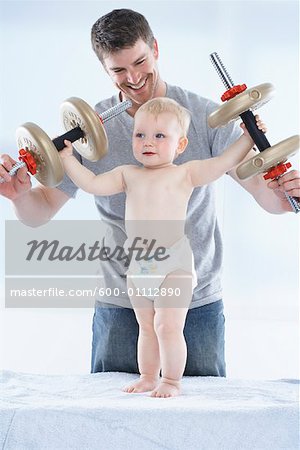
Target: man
<point>128,51</point>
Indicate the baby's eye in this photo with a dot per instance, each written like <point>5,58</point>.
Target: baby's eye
<point>139,135</point>
<point>159,135</point>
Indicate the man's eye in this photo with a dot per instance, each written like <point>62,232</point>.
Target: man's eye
<point>140,62</point>
<point>159,135</point>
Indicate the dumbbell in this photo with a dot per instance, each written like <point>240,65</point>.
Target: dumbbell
<point>84,128</point>
<point>240,102</point>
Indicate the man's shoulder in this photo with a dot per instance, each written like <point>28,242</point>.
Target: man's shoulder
<point>188,98</point>
<point>106,103</point>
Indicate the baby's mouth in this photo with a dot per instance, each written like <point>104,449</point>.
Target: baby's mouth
<point>148,153</point>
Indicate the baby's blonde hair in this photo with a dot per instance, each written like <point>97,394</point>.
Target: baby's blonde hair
<point>160,105</point>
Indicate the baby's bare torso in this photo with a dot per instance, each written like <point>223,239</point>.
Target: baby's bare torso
<point>154,197</point>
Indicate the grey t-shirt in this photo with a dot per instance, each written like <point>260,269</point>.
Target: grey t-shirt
<point>201,226</point>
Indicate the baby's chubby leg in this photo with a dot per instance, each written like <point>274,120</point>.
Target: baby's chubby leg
<point>169,320</point>
<point>169,323</point>
<point>148,350</point>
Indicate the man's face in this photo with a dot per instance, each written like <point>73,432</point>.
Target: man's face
<point>134,71</point>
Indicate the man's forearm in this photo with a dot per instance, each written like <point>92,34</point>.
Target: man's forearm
<point>271,203</point>
<point>37,206</point>
<point>264,196</point>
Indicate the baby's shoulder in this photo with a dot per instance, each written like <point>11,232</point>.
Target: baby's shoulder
<point>128,168</point>
<point>130,171</point>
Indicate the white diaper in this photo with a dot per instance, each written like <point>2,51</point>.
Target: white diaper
<point>147,275</point>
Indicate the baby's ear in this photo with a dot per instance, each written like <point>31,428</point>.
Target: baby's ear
<point>183,142</point>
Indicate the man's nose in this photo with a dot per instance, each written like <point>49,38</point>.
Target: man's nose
<point>133,77</point>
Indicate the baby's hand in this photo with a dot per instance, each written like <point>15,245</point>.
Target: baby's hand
<point>260,125</point>
<point>67,150</point>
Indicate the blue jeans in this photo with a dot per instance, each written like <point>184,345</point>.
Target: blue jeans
<point>115,333</point>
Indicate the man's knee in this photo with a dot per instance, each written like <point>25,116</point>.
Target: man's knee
<point>204,332</point>
<point>114,342</point>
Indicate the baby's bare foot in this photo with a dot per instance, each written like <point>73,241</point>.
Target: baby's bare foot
<point>167,388</point>
<point>144,384</point>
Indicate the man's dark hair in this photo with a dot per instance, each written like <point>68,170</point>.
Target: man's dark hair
<point>119,29</point>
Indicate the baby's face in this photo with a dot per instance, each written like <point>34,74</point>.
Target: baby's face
<point>156,140</point>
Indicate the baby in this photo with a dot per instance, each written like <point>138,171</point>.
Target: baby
<point>160,286</point>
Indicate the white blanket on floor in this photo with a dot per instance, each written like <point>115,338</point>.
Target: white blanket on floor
<point>87,412</point>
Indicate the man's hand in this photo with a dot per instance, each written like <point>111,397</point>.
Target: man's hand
<point>288,183</point>
<point>17,185</point>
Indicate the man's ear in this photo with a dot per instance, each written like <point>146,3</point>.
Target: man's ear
<point>155,49</point>
<point>183,142</point>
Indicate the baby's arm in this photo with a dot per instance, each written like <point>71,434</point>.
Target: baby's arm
<point>108,183</point>
<point>205,171</point>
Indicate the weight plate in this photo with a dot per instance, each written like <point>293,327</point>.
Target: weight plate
<point>50,170</point>
<point>76,112</point>
<point>252,99</point>
<point>268,158</point>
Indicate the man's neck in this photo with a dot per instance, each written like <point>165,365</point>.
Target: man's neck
<point>160,91</point>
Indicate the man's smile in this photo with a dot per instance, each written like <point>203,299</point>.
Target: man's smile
<point>136,87</point>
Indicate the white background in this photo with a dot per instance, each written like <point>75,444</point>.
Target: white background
<point>46,57</point>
